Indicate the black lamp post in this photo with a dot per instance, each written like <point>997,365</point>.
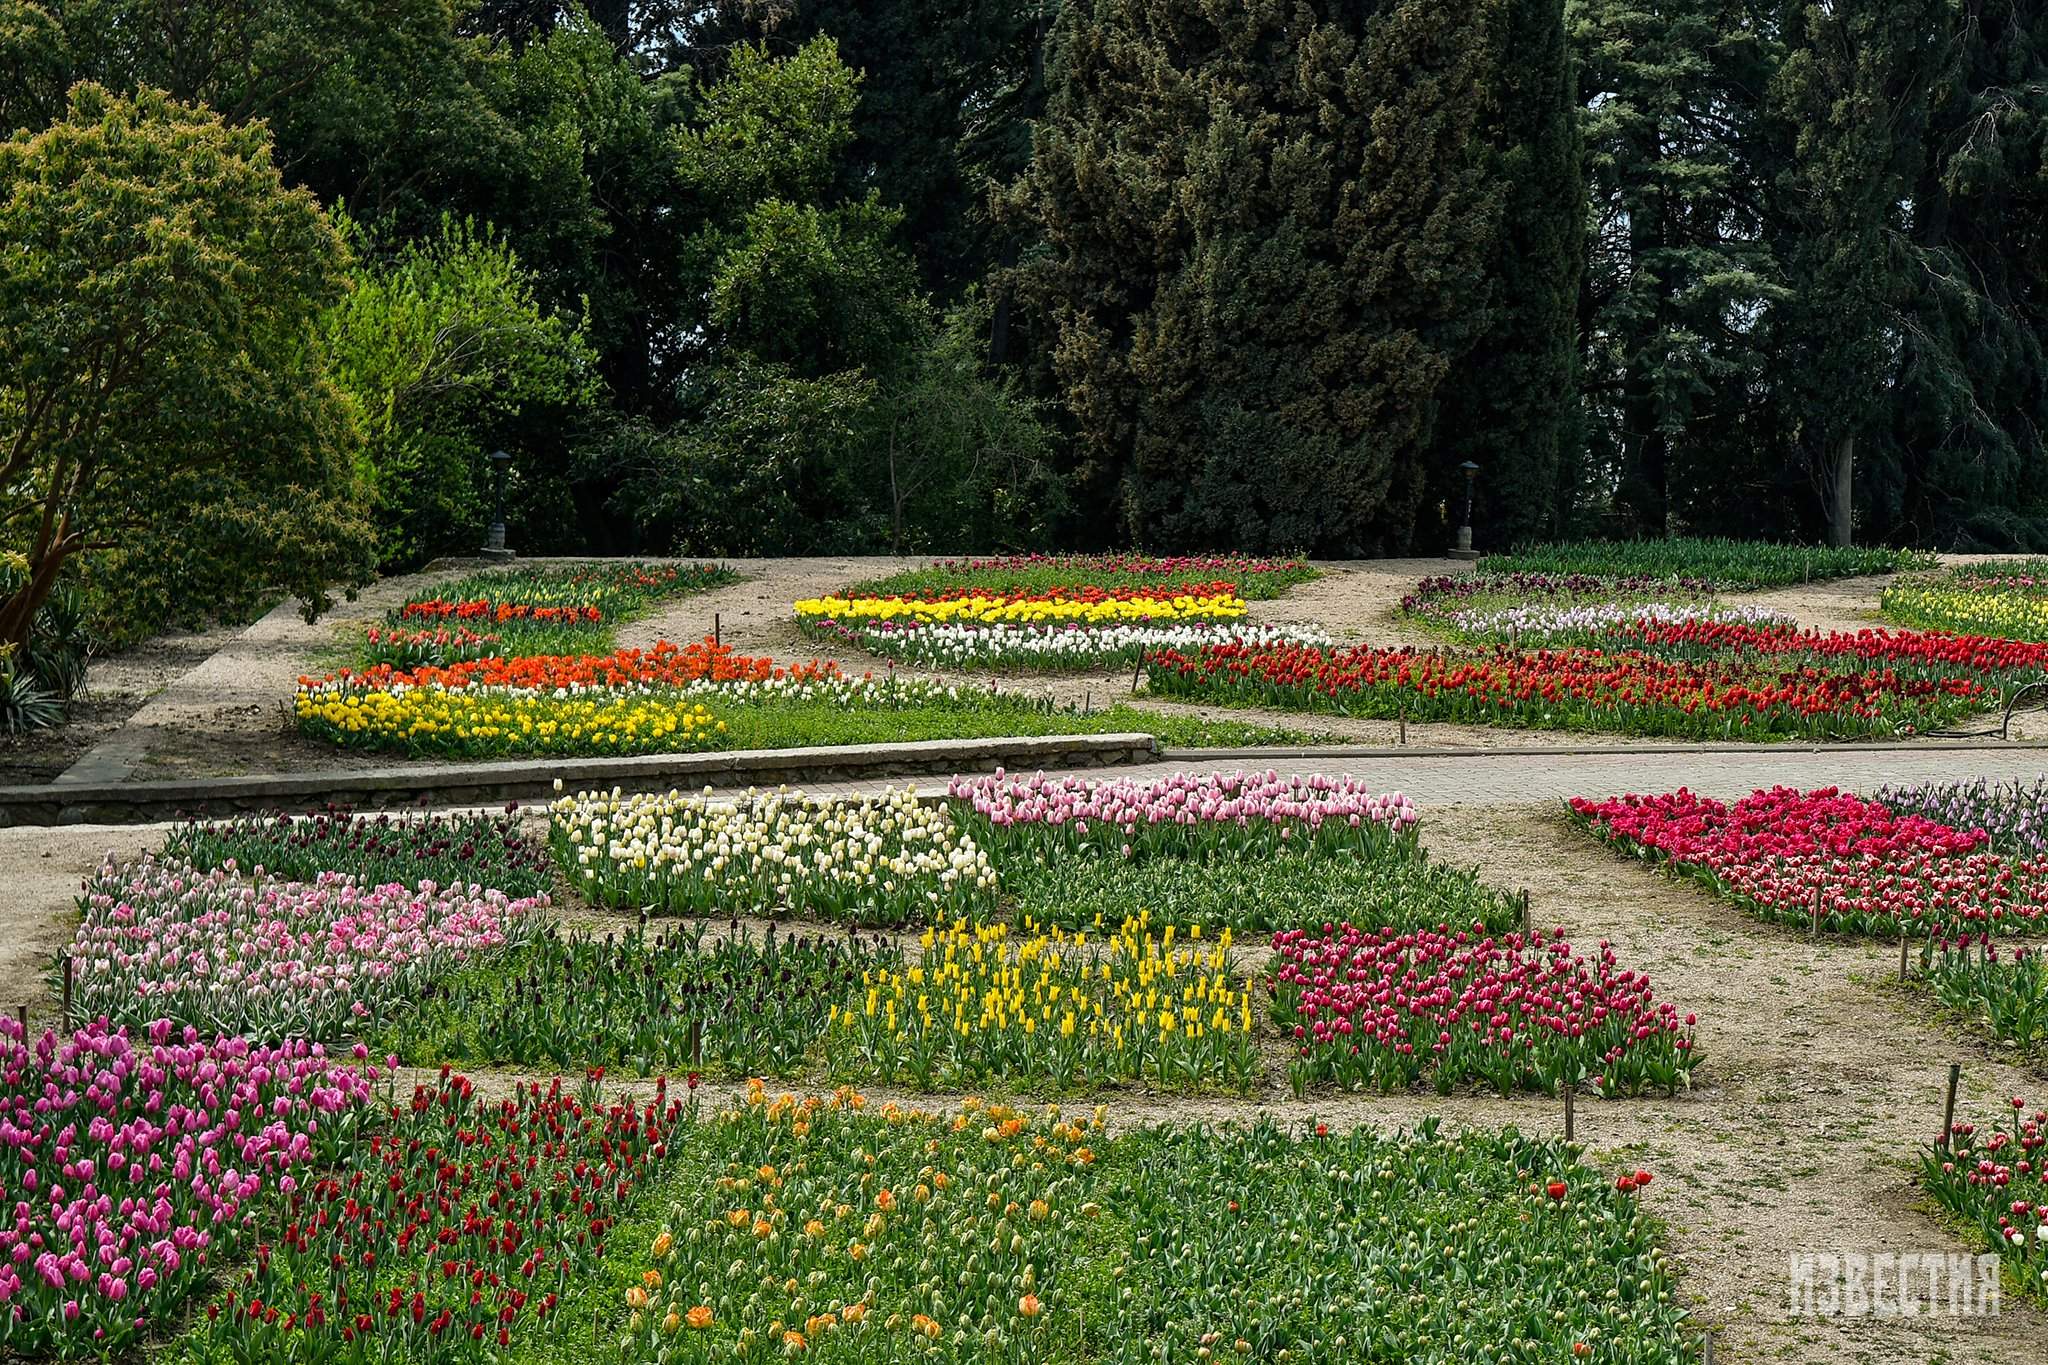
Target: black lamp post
<point>1463,549</point>
<point>494,543</point>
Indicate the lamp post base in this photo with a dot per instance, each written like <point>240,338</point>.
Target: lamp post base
<point>1466,554</point>
<point>497,554</point>
<point>1463,549</point>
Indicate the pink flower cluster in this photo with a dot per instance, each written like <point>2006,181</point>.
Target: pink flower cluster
<point>1519,1012</point>
<point>1869,869</point>
<point>1998,1181</point>
<point>1237,814</point>
<point>236,954</point>
<point>131,1166</point>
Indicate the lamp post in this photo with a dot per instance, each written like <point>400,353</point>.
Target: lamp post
<point>1463,549</point>
<point>494,543</point>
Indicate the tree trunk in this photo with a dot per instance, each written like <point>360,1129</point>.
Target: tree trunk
<point>1841,493</point>
<point>18,612</point>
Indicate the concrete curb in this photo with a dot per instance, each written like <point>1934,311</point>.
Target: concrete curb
<point>1268,753</point>
<point>481,784</point>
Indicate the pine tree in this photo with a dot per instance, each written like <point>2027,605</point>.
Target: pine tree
<point>1511,406</point>
<point>1264,224</point>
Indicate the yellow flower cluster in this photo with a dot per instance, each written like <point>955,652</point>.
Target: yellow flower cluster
<point>474,722</point>
<point>2007,613</point>
<point>980,1005</point>
<point>818,1229</point>
<point>995,609</point>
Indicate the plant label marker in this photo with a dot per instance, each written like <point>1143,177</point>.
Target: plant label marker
<point>1948,1113</point>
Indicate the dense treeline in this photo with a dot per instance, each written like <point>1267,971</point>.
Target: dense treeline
<point>763,276</point>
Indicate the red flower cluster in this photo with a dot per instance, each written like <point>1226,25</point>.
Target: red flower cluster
<point>464,1221</point>
<point>1731,693</point>
<point>500,612</point>
<point>1999,1182</point>
<point>1519,1012</point>
<point>665,665</point>
<point>1872,870</point>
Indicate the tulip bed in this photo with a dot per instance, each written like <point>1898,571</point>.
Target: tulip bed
<point>887,859</point>
<point>137,1165</point>
<point>1401,888</point>
<point>1253,576</point>
<point>2006,994</point>
<point>982,1005</point>
<point>679,699</point>
<point>1517,1012</point>
<point>270,957</point>
<point>1034,647</point>
<point>2014,815</point>
<point>517,612</point>
<point>456,1229</point>
<point>829,1231</point>
<point>1722,562</point>
<point>2009,601</point>
<point>1996,1182</point>
<point>1697,678</point>
<point>1784,855</point>
<point>1080,606</point>
<point>734,1005</point>
<point>1569,609</point>
<point>448,850</point>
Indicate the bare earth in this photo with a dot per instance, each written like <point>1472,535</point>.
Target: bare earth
<point>1821,1080</point>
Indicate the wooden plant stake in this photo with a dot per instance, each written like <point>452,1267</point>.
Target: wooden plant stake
<point>1570,1126</point>
<point>1902,954</point>
<point>1708,1356</point>
<point>69,964</point>
<point>717,629</point>
<point>1404,725</point>
<point>696,1042</point>
<point>1816,912</point>
<point>1525,912</point>
<point>1948,1112</point>
<point>1137,672</point>
<point>21,1017</point>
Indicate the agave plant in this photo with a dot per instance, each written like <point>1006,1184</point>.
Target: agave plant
<point>23,705</point>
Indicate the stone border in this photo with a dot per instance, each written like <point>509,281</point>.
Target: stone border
<point>481,784</point>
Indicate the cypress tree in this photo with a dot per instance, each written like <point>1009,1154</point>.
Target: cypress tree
<point>1511,405</point>
<point>1263,227</point>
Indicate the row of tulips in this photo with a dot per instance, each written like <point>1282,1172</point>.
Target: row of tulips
<point>663,666</point>
<point>1240,815</point>
<point>136,1164</point>
<point>1251,575</point>
<point>2014,815</point>
<point>230,953</point>
<point>2003,992</point>
<point>827,1230</point>
<point>1517,1012</point>
<point>981,1005</point>
<point>456,1228</point>
<point>1093,606</point>
<point>2008,602</point>
<point>885,859</point>
<point>1725,694</point>
<point>450,850</point>
<point>1995,1180</point>
<point>642,1002</point>
<point>1829,858</point>
<point>1045,646</point>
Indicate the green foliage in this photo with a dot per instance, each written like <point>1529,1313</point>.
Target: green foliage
<point>1264,228</point>
<point>448,850</point>
<point>164,412</point>
<point>1255,577</point>
<point>1722,563</point>
<point>1399,888</point>
<point>24,704</point>
<point>34,66</point>
<point>444,348</point>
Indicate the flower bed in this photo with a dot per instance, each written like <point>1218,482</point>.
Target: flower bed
<point>1518,1013</point>
<point>1997,1183</point>
<point>829,1230</point>
<point>135,1167</point>
<point>448,850</point>
<point>2014,815</point>
<point>981,1005</point>
<point>2009,601</point>
<point>1399,888</point>
<point>1182,815</point>
<point>1043,646</point>
<point>2003,993</point>
<point>450,1235</point>
<point>1088,606</point>
<point>887,859</point>
<point>1700,680</point>
<point>647,1003</point>
<point>1723,562</point>
<point>1784,855</point>
<point>1253,575</point>
<point>530,610</point>
<point>275,958</point>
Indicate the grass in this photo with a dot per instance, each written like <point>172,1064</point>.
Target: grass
<point>1733,564</point>
<point>620,590</point>
<point>1253,576</point>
